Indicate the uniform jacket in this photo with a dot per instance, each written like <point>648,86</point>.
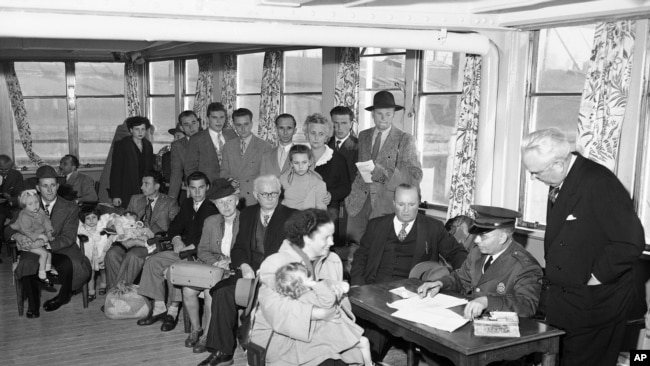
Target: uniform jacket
<point>202,154</point>
<point>289,318</point>
<point>350,152</point>
<point>398,158</point>
<point>177,163</point>
<point>84,186</point>
<point>432,242</point>
<point>209,250</point>
<point>188,224</point>
<point>244,169</point>
<point>591,228</point>
<point>511,283</point>
<point>270,163</point>
<point>125,171</point>
<point>164,211</point>
<point>12,184</point>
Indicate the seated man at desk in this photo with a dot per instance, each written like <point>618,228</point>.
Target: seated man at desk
<point>498,274</point>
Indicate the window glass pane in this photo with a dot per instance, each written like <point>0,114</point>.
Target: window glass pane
<point>251,102</point>
<point>41,78</point>
<point>98,119</point>
<point>191,75</point>
<point>249,73</point>
<point>382,72</point>
<point>436,143</point>
<point>564,58</point>
<point>161,77</point>
<point>188,104</point>
<point>300,106</point>
<point>99,78</point>
<point>161,110</point>
<point>442,71</point>
<point>375,51</point>
<point>48,121</point>
<point>365,117</point>
<point>303,71</point>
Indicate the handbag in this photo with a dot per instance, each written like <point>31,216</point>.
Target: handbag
<point>198,275</point>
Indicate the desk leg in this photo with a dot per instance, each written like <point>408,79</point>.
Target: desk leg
<point>549,359</point>
<point>411,356</point>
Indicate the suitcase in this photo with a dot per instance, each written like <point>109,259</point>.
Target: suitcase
<point>198,275</point>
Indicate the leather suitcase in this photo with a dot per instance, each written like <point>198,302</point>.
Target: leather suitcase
<point>196,275</point>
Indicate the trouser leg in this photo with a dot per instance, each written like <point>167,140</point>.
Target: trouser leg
<point>152,282</point>
<point>597,347</point>
<point>113,262</point>
<point>63,266</point>
<point>32,291</point>
<point>223,323</point>
<point>132,264</point>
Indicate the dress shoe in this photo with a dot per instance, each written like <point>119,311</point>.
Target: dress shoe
<point>217,359</point>
<point>54,304</point>
<point>152,319</point>
<point>168,324</point>
<point>91,297</point>
<point>193,338</point>
<point>200,346</point>
<point>45,282</point>
<point>32,314</point>
<point>52,275</point>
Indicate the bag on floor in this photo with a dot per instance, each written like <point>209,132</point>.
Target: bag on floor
<point>123,302</point>
<point>197,275</point>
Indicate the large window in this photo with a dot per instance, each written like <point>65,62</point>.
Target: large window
<point>249,84</point>
<point>560,62</point>
<point>72,108</point>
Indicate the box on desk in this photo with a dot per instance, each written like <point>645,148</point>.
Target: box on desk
<point>497,324</point>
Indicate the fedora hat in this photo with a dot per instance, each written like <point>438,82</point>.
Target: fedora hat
<point>384,99</point>
<point>173,131</point>
<point>46,171</point>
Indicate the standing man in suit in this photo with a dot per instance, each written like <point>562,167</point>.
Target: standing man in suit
<point>185,231</point>
<point>80,183</point>
<point>73,267</point>
<point>261,232</point>
<point>276,162</point>
<point>206,148</point>
<point>190,125</point>
<point>242,157</point>
<point>396,161</point>
<point>156,210</point>
<point>593,237</point>
<point>11,184</point>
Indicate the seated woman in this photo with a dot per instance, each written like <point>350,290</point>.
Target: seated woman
<point>217,238</point>
<point>281,321</point>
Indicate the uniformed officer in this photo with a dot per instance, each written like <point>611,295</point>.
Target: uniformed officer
<point>498,274</point>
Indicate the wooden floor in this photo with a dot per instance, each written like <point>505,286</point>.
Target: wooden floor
<point>73,335</point>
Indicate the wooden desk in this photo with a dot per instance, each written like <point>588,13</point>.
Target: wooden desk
<point>460,346</point>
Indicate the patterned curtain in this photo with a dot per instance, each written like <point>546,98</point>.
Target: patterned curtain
<point>346,92</point>
<point>463,179</point>
<point>20,113</point>
<point>203,95</point>
<point>132,90</point>
<point>270,98</point>
<point>229,86</point>
<point>604,96</point>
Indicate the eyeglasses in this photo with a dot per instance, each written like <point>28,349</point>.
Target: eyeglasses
<point>540,172</point>
<point>269,195</point>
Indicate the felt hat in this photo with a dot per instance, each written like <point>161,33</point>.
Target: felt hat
<point>490,218</point>
<point>46,171</point>
<point>384,99</point>
<point>246,293</point>
<point>429,271</point>
<point>220,188</point>
<point>173,131</point>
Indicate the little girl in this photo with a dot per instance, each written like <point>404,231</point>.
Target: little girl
<point>303,187</point>
<point>96,247</point>
<point>343,336</point>
<point>34,223</point>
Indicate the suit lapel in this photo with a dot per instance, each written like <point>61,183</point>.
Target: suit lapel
<point>420,245</point>
<point>566,201</point>
<point>365,144</point>
<point>390,145</point>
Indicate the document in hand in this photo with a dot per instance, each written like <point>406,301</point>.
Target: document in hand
<point>431,311</point>
<point>365,169</point>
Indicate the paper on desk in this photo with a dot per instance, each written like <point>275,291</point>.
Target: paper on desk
<point>416,304</point>
<point>439,318</point>
<point>403,292</point>
<point>365,169</point>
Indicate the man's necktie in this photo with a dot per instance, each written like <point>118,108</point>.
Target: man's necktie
<point>47,209</point>
<point>219,146</point>
<point>487,264</point>
<point>375,147</point>
<point>281,157</point>
<point>266,220</point>
<point>243,147</point>
<point>196,206</point>
<point>338,145</point>
<point>553,193</point>
<point>148,211</point>
<point>402,233</point>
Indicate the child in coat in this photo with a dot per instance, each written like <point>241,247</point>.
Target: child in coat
<point>95,247</point>
<point>303,187</point>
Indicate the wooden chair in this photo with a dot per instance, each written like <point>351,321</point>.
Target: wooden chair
<point>20,295</point>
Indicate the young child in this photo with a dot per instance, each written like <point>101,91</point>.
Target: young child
<point>127,227</point>
<point>343,336</point>
<point>96,247</point>
<point>34,223</point>
<point>303,187</point>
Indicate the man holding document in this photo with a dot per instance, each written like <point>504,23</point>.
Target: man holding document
<point>498,274</point>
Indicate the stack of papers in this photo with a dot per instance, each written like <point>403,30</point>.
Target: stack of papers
<point>430,311</point>
<point>365,169</point>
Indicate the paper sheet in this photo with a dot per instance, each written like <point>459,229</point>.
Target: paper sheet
<point>416,304</point>
<point>403,292</point>
<point>365,169</point>
<point>439,318</point>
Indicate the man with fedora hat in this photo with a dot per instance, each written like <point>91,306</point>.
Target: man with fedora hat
<point>498,274</point>
<point>72,266</point>
<point>395,158</point>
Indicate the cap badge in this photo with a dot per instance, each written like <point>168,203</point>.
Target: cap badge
<point>501,288</point>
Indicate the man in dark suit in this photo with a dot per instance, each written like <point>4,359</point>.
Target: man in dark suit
<point>190,125</point>
<point>593,238</point>
<point>261,232</point>
<point>11,184</point>
<point>83,185</point>
<point>393,245</point>
<point>206,149</point>
<point>125,261</point>
<point>185,231</point>
<point>73,267</point>
<point>277,161</point>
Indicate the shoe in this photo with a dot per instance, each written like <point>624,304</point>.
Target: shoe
<point>45,282</point>
<point>52,275</point>
<point>217,359</point>
<point>102,291</point>
<point>32,314</point>
<point>101,309</point>
<point>54,304</point>
<point>150,319</point>
<point>169,323</point>
<point>200,346</point>
<point>91,297</point>
<point>193,338</point>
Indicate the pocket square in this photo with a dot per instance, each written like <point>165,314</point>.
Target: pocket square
<point>571,218</point>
